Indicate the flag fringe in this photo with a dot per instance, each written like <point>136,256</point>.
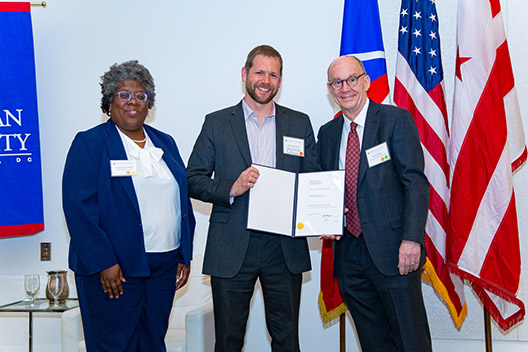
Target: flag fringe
<point>519,162</point>
<point>328,316</point>
<point>479,286</point>
<point>431,276</point>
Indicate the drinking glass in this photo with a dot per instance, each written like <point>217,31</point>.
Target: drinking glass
<point>55,287</point>
<point>32,285</point>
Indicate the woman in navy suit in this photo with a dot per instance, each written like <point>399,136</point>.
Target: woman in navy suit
<point>130,220</point>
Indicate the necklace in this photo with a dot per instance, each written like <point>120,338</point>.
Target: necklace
<point>139,140</point>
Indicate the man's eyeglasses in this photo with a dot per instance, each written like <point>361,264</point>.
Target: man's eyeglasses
<point>352,81</point>
<point>125,96</point>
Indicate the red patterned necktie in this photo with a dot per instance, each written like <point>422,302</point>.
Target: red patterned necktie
<point>351,178</point>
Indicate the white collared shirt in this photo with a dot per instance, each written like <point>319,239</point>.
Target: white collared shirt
<point>158,195</point>
<point>360,121</point>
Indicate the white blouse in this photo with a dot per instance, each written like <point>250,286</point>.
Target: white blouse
<point>158,195</point>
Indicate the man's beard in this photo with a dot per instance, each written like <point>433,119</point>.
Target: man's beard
<point>252,91</point>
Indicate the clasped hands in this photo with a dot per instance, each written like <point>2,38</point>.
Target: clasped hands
<point>112,279</point>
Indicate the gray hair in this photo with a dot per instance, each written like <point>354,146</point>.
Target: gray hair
<point>118,73</point>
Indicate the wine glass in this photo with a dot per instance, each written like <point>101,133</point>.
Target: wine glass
<point>55,287</point>
<point>32,285</point>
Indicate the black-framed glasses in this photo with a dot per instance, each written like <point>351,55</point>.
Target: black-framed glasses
<point>124,96</point>
<point>352,81</point>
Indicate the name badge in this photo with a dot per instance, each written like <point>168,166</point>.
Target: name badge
<point>378,154</point>
<point>293,146</point>
<point>119,168</point>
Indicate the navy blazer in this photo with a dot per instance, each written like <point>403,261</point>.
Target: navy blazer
<point>102,212</point>
<point>392,197</point>
<point>222,148</point>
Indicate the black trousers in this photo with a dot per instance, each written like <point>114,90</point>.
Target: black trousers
<point>388,311</point>
<point>281,291</point>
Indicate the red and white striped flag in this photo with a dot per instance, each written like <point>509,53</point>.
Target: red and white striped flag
<point>419,88</point>
<point>486,147</point>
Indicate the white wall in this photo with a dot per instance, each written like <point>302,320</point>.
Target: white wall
<point>195,50</point>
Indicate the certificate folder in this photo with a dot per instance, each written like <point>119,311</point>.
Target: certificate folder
<point>297,205</point>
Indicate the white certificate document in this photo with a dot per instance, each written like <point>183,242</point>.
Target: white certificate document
<point>290,204</point>
<point>271,201</point>
<point>320,202</point>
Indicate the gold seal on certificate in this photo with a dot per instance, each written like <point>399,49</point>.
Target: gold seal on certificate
<point>297,205</point>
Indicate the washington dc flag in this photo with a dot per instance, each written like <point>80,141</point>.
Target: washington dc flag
<point>486,147</point>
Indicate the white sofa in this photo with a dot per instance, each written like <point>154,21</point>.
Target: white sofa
<point>191,326</point>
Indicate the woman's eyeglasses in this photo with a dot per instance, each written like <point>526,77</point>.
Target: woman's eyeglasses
<point>125,96</point>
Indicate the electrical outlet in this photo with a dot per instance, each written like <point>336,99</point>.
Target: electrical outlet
<point>45,251</point>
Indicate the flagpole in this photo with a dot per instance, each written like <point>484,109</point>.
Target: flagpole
<point>342,333</point>
<point>42,4</point>
<point>487,331</point>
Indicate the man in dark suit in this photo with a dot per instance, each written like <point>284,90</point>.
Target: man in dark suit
<point>231,139</point>
<point>378,258</point>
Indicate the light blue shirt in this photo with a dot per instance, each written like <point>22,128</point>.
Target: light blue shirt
<point>261,139</point>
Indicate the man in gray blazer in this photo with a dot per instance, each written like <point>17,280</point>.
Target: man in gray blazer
<point>219,171</point>
<point>378,259</point>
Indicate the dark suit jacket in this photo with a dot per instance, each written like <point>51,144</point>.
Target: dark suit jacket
<point>222,148</point>
<point>102,212</point>
<point>393,197</point>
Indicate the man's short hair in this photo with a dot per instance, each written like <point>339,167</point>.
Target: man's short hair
<point>264,50</point>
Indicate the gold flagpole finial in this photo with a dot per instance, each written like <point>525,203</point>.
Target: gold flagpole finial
<point>43,4</point>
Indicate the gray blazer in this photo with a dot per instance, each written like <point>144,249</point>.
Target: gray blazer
<point>393,197</point>
<point>222,148</point>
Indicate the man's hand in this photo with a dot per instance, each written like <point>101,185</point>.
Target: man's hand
<point>332,237</point>
<point>409,257</point>
<point>245,181</point>
<point>111,279</point>
<point>182,275</point>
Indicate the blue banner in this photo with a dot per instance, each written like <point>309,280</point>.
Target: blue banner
<point>20,161</point>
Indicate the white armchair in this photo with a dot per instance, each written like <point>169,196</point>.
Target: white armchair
<point>191,326</point>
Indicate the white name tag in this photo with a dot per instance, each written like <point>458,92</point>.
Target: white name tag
<point>119,168</point>
<point>293,146</point>
<point>378,154</point>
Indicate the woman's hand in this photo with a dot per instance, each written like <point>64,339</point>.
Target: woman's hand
<point>111,279</point>
<point>182,275</point>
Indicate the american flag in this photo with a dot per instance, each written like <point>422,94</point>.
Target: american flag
<point>487,145</point>
<point>419,88</point>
